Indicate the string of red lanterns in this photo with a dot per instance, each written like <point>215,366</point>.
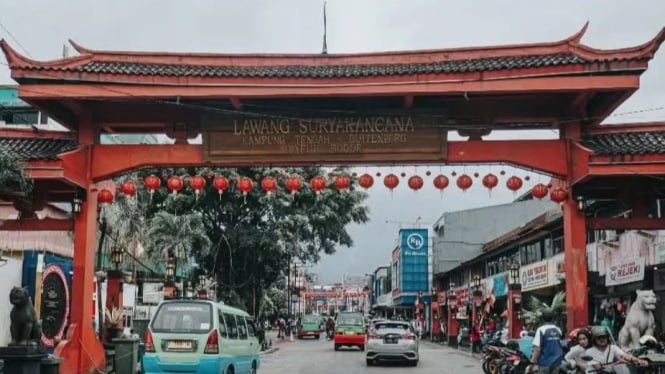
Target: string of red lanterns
<point>318,184</point>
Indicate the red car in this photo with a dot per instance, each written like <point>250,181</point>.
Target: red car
<point>350,331</point>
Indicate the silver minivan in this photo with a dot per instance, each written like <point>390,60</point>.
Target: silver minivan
<point>200,336</point>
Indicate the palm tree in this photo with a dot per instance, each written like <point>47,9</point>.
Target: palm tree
<point>126,224</point>
<point>179,235</point>
<point>533,315</point>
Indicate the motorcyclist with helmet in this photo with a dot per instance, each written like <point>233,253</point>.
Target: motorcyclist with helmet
<point>330,327</point>
<point>603,352</point>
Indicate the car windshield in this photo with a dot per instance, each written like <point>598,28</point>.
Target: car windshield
<point>183,317</point>
<point>310,320</point>
<point>350,320</point>
<point>391,326</point>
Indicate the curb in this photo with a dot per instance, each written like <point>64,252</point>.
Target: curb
<point>270,351</point>
<point>452,350</point>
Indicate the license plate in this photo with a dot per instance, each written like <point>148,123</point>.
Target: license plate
<point>179,346</point>
<point>350,333</point>
<point>390,341</point>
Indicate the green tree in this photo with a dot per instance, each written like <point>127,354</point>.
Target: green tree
<point>180,235</point>
<point>533,313</point>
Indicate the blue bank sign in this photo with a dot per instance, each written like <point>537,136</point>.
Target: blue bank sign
<point>414,242</point>
<point>414,247</point>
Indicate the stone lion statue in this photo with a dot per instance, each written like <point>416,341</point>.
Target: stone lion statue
<point>25,328</point>
<point>639,321</point>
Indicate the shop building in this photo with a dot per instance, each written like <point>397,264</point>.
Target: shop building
<point>411,275</point>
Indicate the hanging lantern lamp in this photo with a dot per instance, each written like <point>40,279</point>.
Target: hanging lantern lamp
<point>245,185</point>
<point>175,184</point>
<point>293,185</point>
<point>366,181</point>
<point>269,185</point>
<point>490,181</point>
<point>221,184</point>
<point>105,197</point>
<point>391,181</point>
<point>198,184</point>
<point>539,191</point>
<point>318,184</point>
<point>416,182</point>
<point>464,182</point>
<point>343,183</point>
<point>558,194</point>
<point>441,182</point>
<point>514,183</point>
<point>152,183</point>
<point>128,188</point>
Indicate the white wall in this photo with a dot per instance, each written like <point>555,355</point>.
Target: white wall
<point>11,276</point>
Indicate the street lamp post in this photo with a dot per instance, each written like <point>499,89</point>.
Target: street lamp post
<point>514,302</point>
<point>477,299</point>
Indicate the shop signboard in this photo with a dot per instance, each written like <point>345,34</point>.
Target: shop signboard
<point>627,271</point>
<point>535,275</point>
<point>501,285</point>
<point>414,260</point>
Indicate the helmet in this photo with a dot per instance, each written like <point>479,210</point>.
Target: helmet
<point>599,332</point>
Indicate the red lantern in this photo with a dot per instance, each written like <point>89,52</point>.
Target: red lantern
<point>416,182</point>
<point>539,191</point>
<point>269,185</point>
<point>514,183</point>
<point>128,188</point>
<point>105,197</point>
<point>221,184</point>
<point>490,181</point>
<point>152,183</point>
<point>245,185</point>
<point>293,184</point>
<point>175,184</point>
<point>464,182</point>
<point>198,184</point>
<point>391,181</point>
<point>343,182</point>
<point>441,182</point>
<point>558,194</point>
<point>318,184</point>
<point>366,181</point>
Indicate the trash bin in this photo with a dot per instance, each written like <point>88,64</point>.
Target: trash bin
<point>50,365</point>
<point>126,355</point>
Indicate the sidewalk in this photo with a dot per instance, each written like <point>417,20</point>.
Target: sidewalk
<point>463,351</point>
<point>276,342</point>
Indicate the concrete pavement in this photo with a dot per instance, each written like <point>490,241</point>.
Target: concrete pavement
<point>318,356</point>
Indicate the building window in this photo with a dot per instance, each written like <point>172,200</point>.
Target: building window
<point>549,250</point>
<point>531,253</point>
<point>557,245</point>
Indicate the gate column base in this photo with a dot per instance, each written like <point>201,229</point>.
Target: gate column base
<point>82,352</point>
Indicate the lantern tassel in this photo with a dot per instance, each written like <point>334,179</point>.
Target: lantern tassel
<point>220,192</point>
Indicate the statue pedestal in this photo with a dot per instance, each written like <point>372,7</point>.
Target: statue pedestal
<point>22,359</point>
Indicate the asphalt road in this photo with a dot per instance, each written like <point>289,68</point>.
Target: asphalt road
<point>319,357</point>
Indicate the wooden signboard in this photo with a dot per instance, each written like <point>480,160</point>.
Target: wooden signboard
<point>275,140</point>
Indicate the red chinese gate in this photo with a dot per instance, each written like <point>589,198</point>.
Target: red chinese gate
<point>562,85</point>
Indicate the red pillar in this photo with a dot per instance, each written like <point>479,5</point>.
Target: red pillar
<point>514,311</point>
<point>577,283</point>
<point>81,351</point>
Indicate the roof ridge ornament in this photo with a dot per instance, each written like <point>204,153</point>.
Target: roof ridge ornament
<point>577,37</point>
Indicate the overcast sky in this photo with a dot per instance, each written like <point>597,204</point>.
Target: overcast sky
<point>295,26</point>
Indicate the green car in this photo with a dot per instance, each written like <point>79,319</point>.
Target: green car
<point>310,325</point>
